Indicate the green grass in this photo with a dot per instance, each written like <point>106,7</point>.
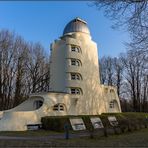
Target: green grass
<point>129,139</point>
<point>29,133</point>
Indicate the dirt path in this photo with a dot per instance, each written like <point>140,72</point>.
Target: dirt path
<point>54,136</point>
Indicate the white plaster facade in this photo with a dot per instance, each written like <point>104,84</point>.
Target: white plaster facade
<point>75,87</point>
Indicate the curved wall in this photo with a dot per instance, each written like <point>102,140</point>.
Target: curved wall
<point>61,68</point>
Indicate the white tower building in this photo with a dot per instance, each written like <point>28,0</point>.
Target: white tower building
<point>75,87</point>
<point>75,70</point>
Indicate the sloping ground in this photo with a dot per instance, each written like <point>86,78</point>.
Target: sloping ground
<point>134,139</point>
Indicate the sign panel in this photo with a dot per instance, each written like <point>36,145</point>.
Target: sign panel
<point>77,124</point>
<point>34,126</point>
<point>96,122</point>
<point>1,114</point>
<point>113,121</point>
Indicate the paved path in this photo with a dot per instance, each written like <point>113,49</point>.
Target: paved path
<point>54,136</point>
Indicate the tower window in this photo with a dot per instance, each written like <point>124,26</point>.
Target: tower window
<point>76,91</point>
<point>76,76</point>
<point>75,62</point>
<point>111,104</point>
<point>75,48</point>
<point>59,107</point>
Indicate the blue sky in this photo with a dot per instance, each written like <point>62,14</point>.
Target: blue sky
<point>45,22</point>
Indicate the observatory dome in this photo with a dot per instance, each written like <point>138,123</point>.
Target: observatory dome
<point>76,25</point>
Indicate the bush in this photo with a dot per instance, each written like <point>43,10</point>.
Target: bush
<point>55,123</point>
<point>87,122</point>
<point>130,121</point>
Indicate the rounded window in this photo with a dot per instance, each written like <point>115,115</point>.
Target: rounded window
<point>37,104</point>
<point>59,107</point>
<point>111,104</point>
<point>75,62</point>
<point>75,76</point>
<point>75,48</point>
<point>77,91</point>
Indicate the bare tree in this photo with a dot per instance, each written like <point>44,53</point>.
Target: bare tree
<point>38,69</point>
<point>131,14</point>
<point>106,69</point>
<point>134,62</point>
<point>129,73</point>
<point>7,67</point>
<point>118,74</point>
<point>20,61</point>
<point>111,72</point>
<point>24,68</point>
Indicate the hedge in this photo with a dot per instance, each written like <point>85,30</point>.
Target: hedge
<point>55,123</point>
<point>127,121</point>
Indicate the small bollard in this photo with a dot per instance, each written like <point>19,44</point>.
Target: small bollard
<point>146,121</point>
<point>105,131</point>
<point>66,128</point>
<point>91,133</point>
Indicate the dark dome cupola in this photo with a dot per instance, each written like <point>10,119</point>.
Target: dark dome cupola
<point>76,25</point>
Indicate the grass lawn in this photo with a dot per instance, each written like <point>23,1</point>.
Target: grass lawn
<point>28,133</point>
<point>134,139</point>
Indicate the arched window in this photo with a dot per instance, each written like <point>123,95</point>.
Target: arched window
<point>111,104</point>
<point>37,104</point>
<point>77,91</point>
<point>111,91</point>
<point>59,107</point>
<point>75,48</point>
<point>75,76</point>
<point>76,62</point>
